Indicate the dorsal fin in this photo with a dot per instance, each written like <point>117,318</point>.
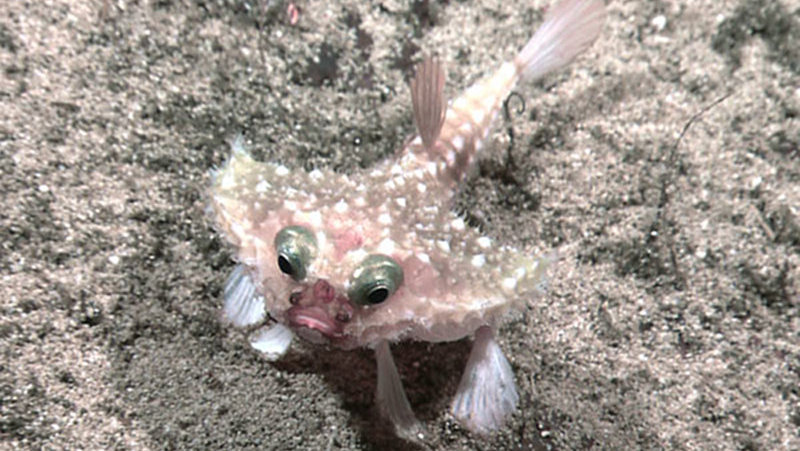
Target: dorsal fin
<point>427,97</point>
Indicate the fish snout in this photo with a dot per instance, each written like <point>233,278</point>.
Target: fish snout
<point>320,308</point>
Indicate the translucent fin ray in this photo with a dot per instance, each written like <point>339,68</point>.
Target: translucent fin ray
<point>486,394</point>
<point>391,397</point>
<point>427,98</point>
<point>273,341</point>
<point>570,27</point>
<point>243,306</point>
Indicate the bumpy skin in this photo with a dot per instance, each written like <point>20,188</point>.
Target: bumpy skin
<point>455,279</point>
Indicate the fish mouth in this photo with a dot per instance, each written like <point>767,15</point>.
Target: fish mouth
<point>319,313</point>
<point>314,318</point>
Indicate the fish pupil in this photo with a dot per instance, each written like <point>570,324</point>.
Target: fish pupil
<point>284,265</point>
<point>378,295</point>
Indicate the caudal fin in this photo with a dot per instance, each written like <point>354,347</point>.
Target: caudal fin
<point>570,27</point>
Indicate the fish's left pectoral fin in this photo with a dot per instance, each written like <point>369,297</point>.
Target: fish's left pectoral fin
<point>391,397</point>
<point>427,98</point>
<point>243,305</point>
<point>487,394</point>
<point>272,341</point>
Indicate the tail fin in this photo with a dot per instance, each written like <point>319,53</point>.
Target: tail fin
<point>570,27</point>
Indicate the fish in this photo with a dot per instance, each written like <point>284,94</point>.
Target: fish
<point>379,256</point>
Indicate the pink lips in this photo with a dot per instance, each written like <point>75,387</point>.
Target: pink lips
<point>319,308</point>
<point>314,318</point>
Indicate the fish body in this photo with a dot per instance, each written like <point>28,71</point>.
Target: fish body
<point>379,256</point>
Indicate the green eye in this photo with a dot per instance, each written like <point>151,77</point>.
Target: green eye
<point>296,247</point>
<point>375,280</point>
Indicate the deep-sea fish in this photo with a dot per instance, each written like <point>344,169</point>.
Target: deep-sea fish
<point>379,256</point>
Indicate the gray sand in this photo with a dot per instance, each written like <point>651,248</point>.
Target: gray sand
<point>672,317</point>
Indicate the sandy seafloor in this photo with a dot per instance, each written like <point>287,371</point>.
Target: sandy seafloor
<point>672,320</point>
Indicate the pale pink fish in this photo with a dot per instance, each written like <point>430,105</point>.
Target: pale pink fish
<point>377,257</point>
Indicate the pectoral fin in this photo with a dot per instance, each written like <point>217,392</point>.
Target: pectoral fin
<point>486,394</point>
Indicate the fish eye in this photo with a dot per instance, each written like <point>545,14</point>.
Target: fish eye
<point>375,280</point>
<point>296,248</point>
